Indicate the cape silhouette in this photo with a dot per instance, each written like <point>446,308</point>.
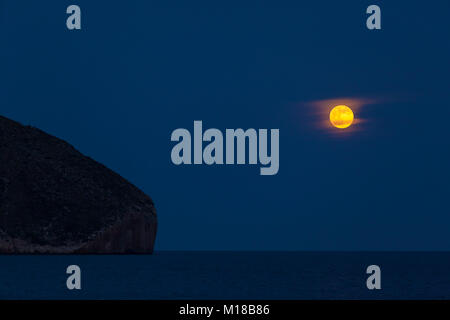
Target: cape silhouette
<point>53,199</point>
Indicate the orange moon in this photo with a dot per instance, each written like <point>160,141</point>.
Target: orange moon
<point>341,117</point>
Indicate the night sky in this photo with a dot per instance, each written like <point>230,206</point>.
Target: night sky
<point>140,69</point>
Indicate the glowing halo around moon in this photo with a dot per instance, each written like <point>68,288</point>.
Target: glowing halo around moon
<point>341,116</point>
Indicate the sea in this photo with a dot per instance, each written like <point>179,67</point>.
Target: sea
<point>228,275</point>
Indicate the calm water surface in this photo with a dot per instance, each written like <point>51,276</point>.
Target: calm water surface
<point>228,275</point>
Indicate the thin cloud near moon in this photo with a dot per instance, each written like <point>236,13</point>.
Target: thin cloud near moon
<point>320,111</point>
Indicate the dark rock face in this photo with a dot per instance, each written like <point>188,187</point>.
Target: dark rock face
<point>55,200</point>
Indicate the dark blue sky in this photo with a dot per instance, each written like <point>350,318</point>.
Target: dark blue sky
<point>139,69</point>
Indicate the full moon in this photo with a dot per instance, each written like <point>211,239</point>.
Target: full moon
<point>341,117</point>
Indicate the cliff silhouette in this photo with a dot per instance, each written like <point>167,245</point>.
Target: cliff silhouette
<point>53,199</point>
